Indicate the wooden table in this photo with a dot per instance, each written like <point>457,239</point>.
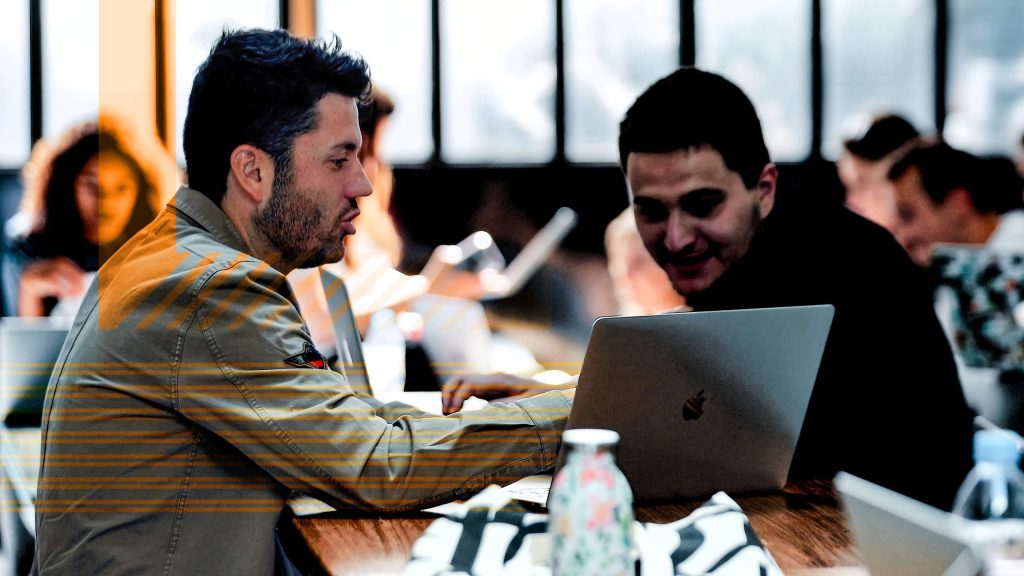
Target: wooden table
<point>802,526</point>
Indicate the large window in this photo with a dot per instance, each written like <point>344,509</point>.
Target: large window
<point>608,63</point>
<point>498,81</point>
<point>71,63</point>
<point>879,57</point>
<point>198,23</point>
<point>14,84</point>
<point>764,47</point>
<point>516,84</point>
<point>398,50</point>
<point>986,80</point>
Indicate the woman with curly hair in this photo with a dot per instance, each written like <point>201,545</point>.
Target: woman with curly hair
<point>84,197</point>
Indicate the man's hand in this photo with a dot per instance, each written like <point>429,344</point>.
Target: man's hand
<point>487,386</point>
<point>56,277</point>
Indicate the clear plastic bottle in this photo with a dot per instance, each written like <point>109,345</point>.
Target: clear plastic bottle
<point>993,496</point>
<point>419,371</point>
<point>384,353</point>
<point>590,509</point>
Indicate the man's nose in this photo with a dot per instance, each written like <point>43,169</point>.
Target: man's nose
<point>680,232</point>
<point>361,185</point>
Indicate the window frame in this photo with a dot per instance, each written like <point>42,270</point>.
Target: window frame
<point>163,24</point>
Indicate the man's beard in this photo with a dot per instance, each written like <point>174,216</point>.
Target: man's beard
<point>290,223</point>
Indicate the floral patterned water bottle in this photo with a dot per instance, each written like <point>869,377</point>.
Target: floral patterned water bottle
<point>590,509</point>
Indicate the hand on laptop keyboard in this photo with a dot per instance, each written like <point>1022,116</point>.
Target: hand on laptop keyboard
<point>491,387</point>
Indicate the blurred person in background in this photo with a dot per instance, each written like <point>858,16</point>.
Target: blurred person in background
<point>945,195</point>
<point>379,235</point>
<point>377,245</point>
<point>640,285</point>
<point>85,195</point>
<point>379,241</point>
<point>372,256</point>
<point>868,151</point>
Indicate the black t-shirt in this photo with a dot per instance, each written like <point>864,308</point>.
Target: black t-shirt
<point>887,403</point>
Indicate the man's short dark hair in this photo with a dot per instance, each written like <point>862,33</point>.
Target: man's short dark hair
<point>691,108</point>
<point>261,87</point>
<point>992,184</point>
<point>883,136</point>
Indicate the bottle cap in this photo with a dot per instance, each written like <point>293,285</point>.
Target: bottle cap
<point>591,437</point>
<point>382,317</point>
<point>411,325</point>
<point>998,446</point>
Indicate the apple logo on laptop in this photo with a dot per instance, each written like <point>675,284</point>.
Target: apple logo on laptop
<point>694,406</point>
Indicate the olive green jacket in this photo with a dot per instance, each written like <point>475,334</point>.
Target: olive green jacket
<point>188,403</point>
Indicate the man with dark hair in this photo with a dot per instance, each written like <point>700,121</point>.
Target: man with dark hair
<point>189,402</point>
<point>887,404</point>
<point>948,195</point>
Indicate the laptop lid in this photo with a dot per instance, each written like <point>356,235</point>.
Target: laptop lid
<point>988,303</point>
<point>28,349</point>
<point>346,333</point>
<point>702,401</point>
<point>897,535</point>
<point>534,254</point>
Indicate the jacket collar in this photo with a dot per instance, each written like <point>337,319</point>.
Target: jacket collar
<point>208,215</point>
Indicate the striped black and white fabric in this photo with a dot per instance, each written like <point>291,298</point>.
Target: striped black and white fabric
<point>714,539</point>
<point>484,537</point>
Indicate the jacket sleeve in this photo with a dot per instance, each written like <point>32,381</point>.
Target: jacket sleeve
<point>308,429</point>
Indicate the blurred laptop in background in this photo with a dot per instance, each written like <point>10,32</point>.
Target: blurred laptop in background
<point>899,536</point>
<point>981,304</point>
<point>28,349</point>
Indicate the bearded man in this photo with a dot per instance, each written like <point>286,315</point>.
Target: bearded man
<point>188,401</point>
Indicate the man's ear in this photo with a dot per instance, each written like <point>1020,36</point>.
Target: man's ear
<point>252,170</point>
<point>766,184</point>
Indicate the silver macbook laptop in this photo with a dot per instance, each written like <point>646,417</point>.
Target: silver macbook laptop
<point>28,349</point>
<point>702,401</point>
<point>349,347</point>
<point>533,255</point>
<point>499,280</point>
<point>899,536</point>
